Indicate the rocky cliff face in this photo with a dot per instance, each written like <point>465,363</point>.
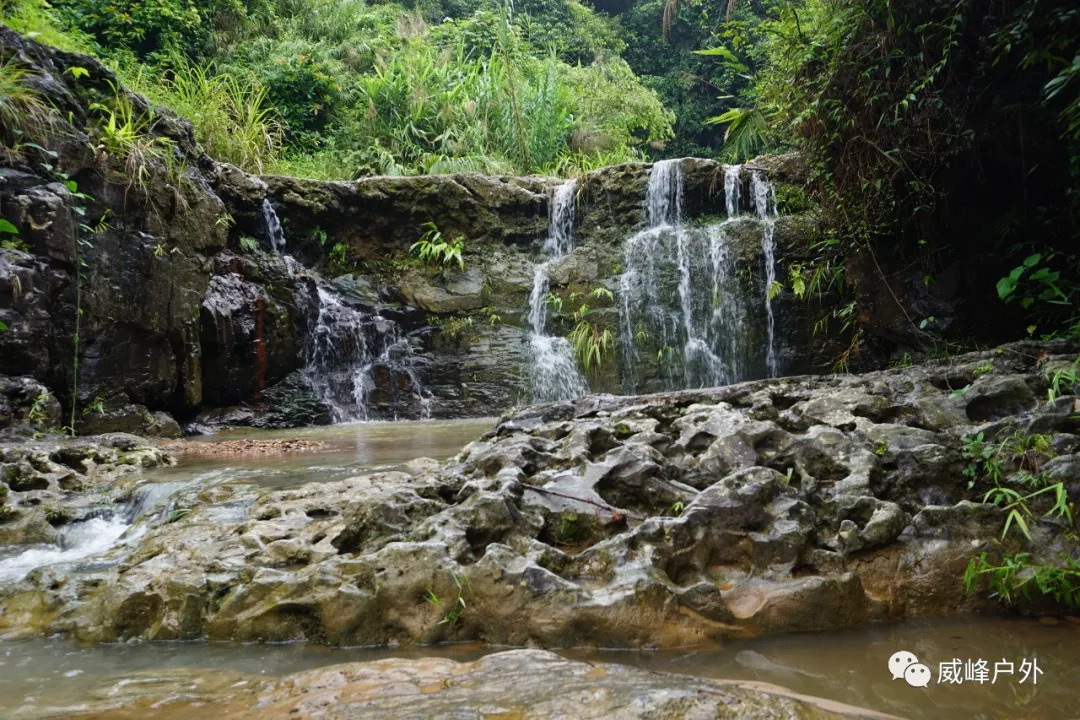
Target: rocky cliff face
<point>789,505</point>
<point>178,313</point>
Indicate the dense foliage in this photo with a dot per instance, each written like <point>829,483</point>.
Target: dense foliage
<point>939,132</point>
<point>340,88</point>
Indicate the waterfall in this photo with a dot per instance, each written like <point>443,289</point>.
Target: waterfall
<point>553,373</point>
<point>273,226</point>
<point>765,205</point>
<point>696,343</point>
<point>347,348</point>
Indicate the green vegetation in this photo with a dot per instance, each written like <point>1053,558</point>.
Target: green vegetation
<point>432,249</point>
<point>936,132</point>
<point>457,607</point>
<point>1012,469</point>
<point>456,328</point>
<point>1063,380</point>
<point>38,415</point>
<point>1017,575</point>
<point>126,134</point>
<point>179,514</point>
<point>592,342</point>
<point>344,88</point>
<point>25,114</point>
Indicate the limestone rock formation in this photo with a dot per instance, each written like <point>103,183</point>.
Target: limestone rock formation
<point>797,504</point>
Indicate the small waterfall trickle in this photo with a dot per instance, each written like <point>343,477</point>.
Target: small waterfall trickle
<point>118,524</point>
<point>274,231</point>
<point>697,343</point>
<point>765,204</point>
<point>346,349</point>
<point>553,373</point>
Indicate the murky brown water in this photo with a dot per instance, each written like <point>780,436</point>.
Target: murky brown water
<point>348,450</point>
<point>852,666</point>
<point>51,678</point>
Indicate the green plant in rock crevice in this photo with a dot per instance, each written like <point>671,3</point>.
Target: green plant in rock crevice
<point>591,342</point>
<point>1016,575</point>
<point>1062,380</point>
<point>24,112</point>
<point>37,415</point>
<point>452,615</point>
<point>433,249</point>
<point>1013,466</point>
<point>125,134</point>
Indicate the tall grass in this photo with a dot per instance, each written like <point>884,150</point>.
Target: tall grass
<point>24,112</point>
<point>470,94</point>
<point>231,117</point>
<point>36,17</point>
<point>431,110</point>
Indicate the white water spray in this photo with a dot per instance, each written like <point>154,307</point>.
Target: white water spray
<point>697,342</point>
<point>121,524</point>
<point>344,351</point>
<point>765,204</point>
<point>273,227</point>
<point>553,372</point>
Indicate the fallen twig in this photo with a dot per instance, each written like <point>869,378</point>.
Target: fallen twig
<point>616,513</point>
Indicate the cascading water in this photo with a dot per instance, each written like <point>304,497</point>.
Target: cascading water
<point>697,343</point>
<point>274,231</point>
<point>346,347</point>
<point>118,524</point>
<point>552,370</point>
<point>765,205</point>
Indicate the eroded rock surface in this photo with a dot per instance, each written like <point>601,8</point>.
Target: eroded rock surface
<point>797,504</point>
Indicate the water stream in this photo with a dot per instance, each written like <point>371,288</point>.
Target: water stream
<point>346,349</point>
<point>51,678</point>
<point>121,523</point>
<point>553,371</point>
<point>765,205</point>
<point>274,232</point>
<point>348,450</point>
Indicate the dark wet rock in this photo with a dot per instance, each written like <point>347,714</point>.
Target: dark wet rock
<point>27,406</point>
<point>604,520</point>
<point>120,417</point>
